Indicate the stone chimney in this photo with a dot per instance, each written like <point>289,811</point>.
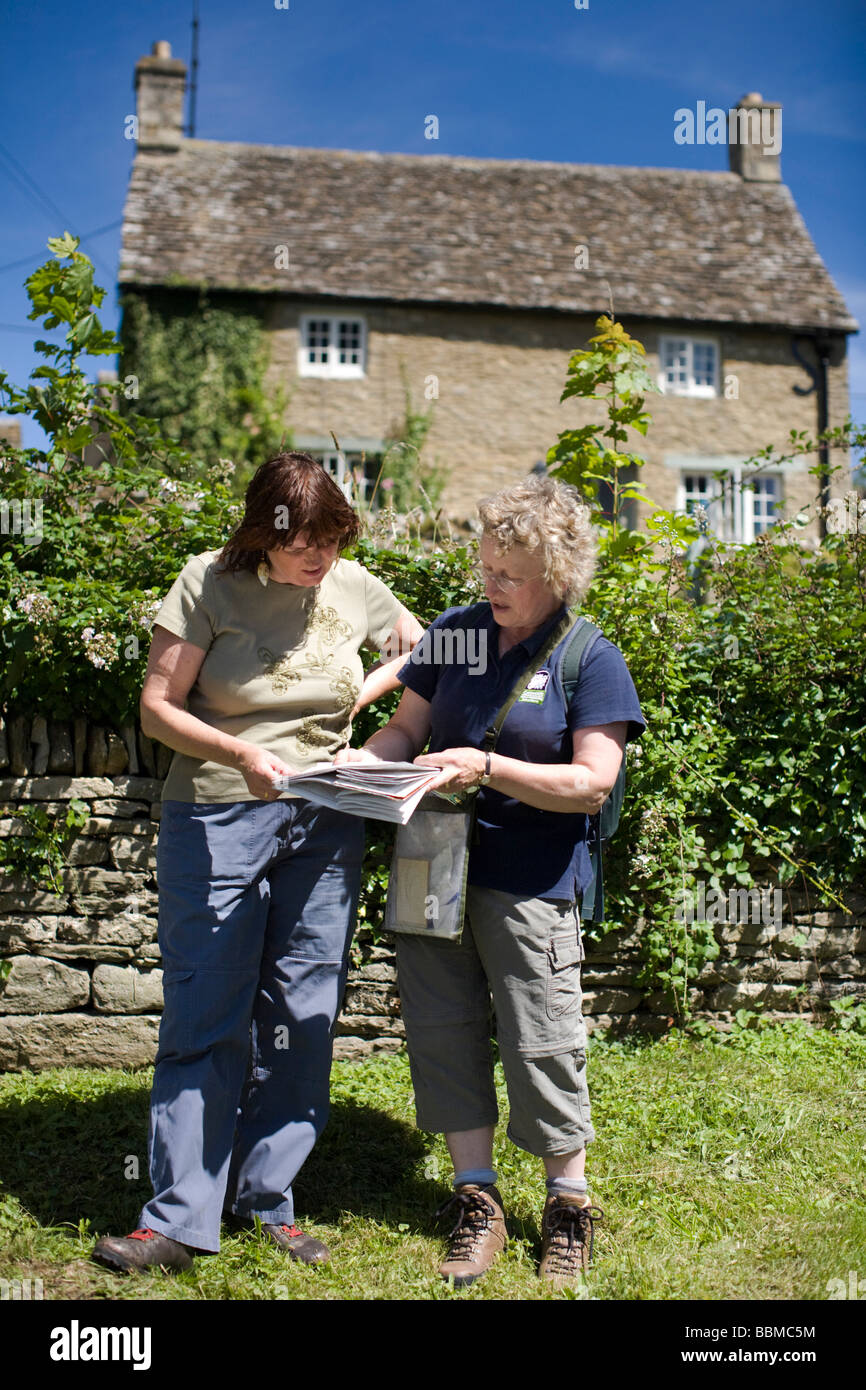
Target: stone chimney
<point>755,139</point>
<point>160,84</point>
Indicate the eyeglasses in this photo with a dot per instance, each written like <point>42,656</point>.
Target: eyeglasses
<point>502,581</point>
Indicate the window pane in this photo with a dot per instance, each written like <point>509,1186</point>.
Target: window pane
<point>317,340</point>
<point>697,488</point>
<point>675,361</point>
<point>764,498</point>
<point>715,496</point>
<point>349,341</point>
<point>704,360</point>
<point>354,475</point>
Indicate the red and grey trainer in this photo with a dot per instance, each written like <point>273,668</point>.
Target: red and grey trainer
<point>139,1250</point>
<point>304,1248</point>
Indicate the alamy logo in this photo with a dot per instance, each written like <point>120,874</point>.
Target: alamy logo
<point>77,1343</point>
<point>854,1288</point>
<point>21,518</point>
<point>743,125</point>
<point>443,646</point>
<point>17,1289</point>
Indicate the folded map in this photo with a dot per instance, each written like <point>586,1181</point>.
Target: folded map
<point>382,791</point>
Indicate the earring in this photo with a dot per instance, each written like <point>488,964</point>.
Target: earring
<point>263,571</point>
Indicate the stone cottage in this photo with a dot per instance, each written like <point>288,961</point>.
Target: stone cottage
<point>473,279</point>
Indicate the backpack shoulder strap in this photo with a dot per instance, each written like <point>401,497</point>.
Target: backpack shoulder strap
<point>581,640</point>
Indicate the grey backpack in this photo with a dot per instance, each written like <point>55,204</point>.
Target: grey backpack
<point>603,824</point>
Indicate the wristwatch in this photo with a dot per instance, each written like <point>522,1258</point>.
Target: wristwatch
<point>485,776</point>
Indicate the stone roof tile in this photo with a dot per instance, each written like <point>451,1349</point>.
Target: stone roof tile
<point>671,243</point>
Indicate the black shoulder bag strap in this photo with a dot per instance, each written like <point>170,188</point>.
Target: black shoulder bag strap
<point>538,659</point>
<point>563,627</point>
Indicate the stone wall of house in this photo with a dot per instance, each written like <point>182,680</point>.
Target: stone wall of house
<point>84,986</point>
<point>10,430</point>
<point>499,376</point>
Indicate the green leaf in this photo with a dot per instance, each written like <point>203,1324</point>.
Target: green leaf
<point>82,330</point>
<point>66,245</point>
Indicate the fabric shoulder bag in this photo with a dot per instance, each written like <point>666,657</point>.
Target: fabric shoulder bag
<point>430,865</point>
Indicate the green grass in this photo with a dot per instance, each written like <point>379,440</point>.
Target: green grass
<point>727,1169</point>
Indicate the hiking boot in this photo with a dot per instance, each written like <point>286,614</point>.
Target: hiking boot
<point>567,1228</point>
<point>144,1247</point>
<point>478,1235</point>
<point>306,1249</point>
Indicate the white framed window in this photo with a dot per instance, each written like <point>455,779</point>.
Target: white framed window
<point>354,475</point>
<point>688,366</point>
<point>332,345</point>
<point>738,504</point>
<point>762,498</point>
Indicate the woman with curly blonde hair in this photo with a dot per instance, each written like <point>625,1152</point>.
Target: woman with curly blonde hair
<point>555,761</point>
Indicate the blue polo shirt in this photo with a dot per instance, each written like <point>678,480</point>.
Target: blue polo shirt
<point>457,668</point>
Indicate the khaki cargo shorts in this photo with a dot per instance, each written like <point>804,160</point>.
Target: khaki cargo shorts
<point>526,953</point>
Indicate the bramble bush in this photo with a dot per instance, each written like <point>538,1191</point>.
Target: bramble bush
<point>748,659</point>
<point>119,509</point>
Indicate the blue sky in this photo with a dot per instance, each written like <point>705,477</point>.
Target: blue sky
<point>533,79</point>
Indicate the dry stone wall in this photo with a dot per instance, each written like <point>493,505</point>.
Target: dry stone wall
<point>85,984</point>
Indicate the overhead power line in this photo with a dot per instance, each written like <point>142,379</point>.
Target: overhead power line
<point>48,203</point>
<point>18,175</point>
<point>86,236</point>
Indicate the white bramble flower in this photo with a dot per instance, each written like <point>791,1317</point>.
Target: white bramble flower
<point>37,607</point>
<point>40,612</point>
<point>144,610</point>
<point>222,470</point>
<point>101,648</point>
<point>168,485</point>
<point>652,826</point>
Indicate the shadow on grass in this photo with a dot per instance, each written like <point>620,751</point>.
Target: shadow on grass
<point>68,1160</point>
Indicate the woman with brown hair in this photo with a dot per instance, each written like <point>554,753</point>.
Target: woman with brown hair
<point>254,672</point>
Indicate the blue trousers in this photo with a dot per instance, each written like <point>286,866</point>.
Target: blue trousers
<point>257,904</point>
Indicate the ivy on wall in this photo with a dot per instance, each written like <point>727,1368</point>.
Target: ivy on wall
<point>197,364</point>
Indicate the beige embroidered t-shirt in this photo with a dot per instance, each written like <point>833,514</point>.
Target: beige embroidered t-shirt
<point>281,668</point>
